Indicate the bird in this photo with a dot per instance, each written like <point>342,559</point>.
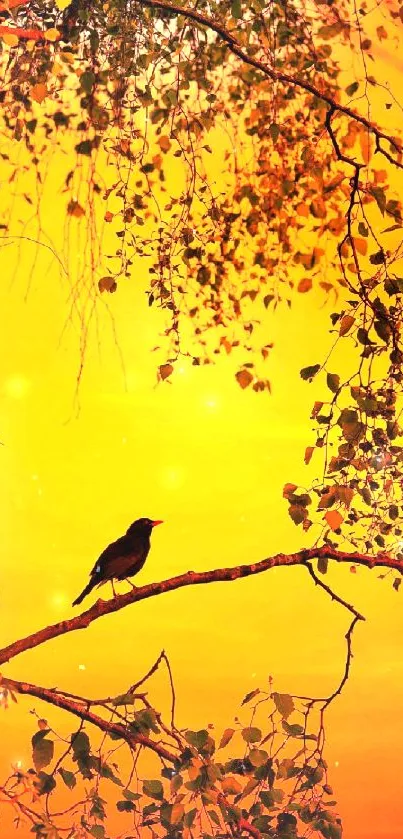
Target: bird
<point>123,558</point>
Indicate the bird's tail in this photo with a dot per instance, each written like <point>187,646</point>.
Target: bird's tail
<point>92,583</point>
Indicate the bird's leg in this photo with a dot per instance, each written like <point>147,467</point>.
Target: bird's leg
<point>113,589</point>
<point>130,583</point>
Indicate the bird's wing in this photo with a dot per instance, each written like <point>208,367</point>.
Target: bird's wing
<point>118,558</point>
<point>116,549</point>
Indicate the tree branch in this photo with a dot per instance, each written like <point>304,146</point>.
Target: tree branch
<point>349,655</point>
<point>81,709</point>
<point>274,75</point>
<point>191,578</point>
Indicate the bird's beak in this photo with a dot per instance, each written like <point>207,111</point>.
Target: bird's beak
<point>154,523</point>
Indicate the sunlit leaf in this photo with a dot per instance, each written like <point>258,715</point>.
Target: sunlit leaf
<point>177,812</point>
<point>305,285</point>
<point>244,378</point>
<point>38,92</point>
<point>308,454</point>
<point>334,519</point>
<point>165,370</point>
<point>52,35</point>
<point>9,39</point>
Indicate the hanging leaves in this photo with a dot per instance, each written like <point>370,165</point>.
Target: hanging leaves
<point>164,143</point>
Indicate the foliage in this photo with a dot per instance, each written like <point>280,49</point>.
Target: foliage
<point>168,99</point>
<point>266,776</point>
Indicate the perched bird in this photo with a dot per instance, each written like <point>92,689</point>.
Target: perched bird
<point>123,558</point>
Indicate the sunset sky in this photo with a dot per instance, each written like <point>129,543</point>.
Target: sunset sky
<point>211,461</point>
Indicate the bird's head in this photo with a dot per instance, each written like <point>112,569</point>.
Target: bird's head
<point>143,526</point>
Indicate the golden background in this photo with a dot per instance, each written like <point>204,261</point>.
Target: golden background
<point>211,461</point>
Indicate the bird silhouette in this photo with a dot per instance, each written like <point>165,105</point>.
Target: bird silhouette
<point>123,558</point>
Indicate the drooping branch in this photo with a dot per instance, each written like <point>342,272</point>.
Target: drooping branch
<point>348,636</point>
<point>274,75</point>
<point>349,656</point>
<point>333,595</point>
<point>192,578</point>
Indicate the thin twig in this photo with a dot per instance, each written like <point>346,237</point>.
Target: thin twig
<point>332,594</point>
